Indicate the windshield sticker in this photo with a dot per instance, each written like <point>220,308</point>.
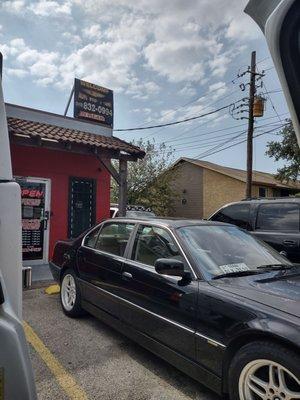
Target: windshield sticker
<point>234,267</point>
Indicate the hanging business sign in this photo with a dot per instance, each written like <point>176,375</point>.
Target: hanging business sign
<point>93,102</point>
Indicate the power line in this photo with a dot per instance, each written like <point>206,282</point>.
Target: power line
<point>173,123</point>
<point>207,153</point>
<point>200,135</point>
<point>272,104</point>
<point>202,124</point>
<point>196,99</point>
<point>209,140</point>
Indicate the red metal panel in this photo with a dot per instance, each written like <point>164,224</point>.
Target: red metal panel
<point>59,166</point>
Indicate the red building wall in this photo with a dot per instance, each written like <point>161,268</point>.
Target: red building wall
<point>59,166</point>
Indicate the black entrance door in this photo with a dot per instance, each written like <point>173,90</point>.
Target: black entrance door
<point>82,205</point>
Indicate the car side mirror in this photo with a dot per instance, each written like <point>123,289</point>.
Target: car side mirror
<point>169,266</point>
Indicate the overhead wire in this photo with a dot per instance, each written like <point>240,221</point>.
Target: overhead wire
<point>202,123</point>
<point>211,132</point>
<point>174,123</point>
<point>209,153</point>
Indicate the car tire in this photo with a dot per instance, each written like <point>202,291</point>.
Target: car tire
<point>250,377</point>
<point>70,297</point>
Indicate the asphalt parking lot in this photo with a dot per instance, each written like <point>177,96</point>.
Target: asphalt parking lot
<point>85,359</point>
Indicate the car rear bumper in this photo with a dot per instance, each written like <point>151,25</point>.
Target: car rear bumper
<point>55,271</point>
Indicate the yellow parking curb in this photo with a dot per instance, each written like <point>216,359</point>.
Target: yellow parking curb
<point>53,289</point>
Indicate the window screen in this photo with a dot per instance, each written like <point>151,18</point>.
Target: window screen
<point>113,238</point>
<point>152,243</point>
<point>236,214</point>
<point>278,217</point>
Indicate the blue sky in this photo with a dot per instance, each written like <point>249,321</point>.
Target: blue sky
<point>156,55</point>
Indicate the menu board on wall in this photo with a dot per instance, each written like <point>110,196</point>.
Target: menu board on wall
<point>33,209</point>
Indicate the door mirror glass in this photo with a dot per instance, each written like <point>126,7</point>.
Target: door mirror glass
<point>169,266</point>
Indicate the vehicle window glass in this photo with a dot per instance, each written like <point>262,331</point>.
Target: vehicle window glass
<point>237,214</point>
<point>219,249</point>
<point>90,239</point>
<point>152,243</point>
<point>113,238</point>
<point>278,217</point>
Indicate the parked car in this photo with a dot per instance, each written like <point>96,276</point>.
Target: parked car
<point>207,297</point>
<point>132,211</point>
<point>276,221</point>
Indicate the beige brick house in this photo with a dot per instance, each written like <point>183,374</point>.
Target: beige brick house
<point>203,187</point>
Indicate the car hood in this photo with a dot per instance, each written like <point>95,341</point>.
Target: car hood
<point>280,290</point>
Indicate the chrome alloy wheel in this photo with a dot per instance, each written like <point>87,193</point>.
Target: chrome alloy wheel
<point>68,292</point>
<point>268,380</point>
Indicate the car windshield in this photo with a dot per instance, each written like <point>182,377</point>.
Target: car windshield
<point>219,250</point>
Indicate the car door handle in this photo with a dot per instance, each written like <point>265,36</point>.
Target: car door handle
<point>289,242</point>
<point>126,275</point>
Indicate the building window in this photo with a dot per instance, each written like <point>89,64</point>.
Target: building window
<point>262,192</point>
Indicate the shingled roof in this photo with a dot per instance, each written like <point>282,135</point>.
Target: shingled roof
<point>31,129</point>
<point>258,177</point>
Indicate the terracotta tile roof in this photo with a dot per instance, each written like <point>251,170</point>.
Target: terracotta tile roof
<point>65,135</point>
<point>259,178</point>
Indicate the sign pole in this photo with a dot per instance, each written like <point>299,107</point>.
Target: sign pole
<point>69,101</point>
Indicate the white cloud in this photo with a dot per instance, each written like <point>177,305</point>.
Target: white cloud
<point>13,6</point>
<point>46,8</point>
<point>41,65</point>
<point>243,28</point>
<point>71,38</point>
<point>187,91</point>
<point>92,32</point>
<point>217,90</point>
<point>142,90</point>
<point>16,72</point>
<point>131,45</point>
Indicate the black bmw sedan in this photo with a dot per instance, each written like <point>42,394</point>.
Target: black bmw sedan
<point>207,297</point>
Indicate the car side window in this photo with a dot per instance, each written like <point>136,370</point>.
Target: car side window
<point>113,238</point>
<point>151,243</point>
<point>90,239</point>
<point>278,217</point>
<point>236,214</point>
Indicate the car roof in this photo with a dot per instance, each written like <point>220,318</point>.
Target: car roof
<point>169,222</point>
<point>269,200</point>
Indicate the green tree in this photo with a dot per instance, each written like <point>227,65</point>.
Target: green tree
<point>149,180</point>
<point>287,149</point>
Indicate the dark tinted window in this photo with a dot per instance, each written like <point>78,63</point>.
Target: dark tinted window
<point>237,214</point>
<point>113,238</point>
<point>278,217</point>
<point>91,238</point>
<point>262,192</point>
<point>152,243</point>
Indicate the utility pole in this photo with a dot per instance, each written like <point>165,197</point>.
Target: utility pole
<point>252,89</point>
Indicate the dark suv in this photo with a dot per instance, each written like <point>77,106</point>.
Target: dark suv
<point>274,220</point>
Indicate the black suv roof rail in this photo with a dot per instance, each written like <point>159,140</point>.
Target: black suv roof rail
<point>270,198</point>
